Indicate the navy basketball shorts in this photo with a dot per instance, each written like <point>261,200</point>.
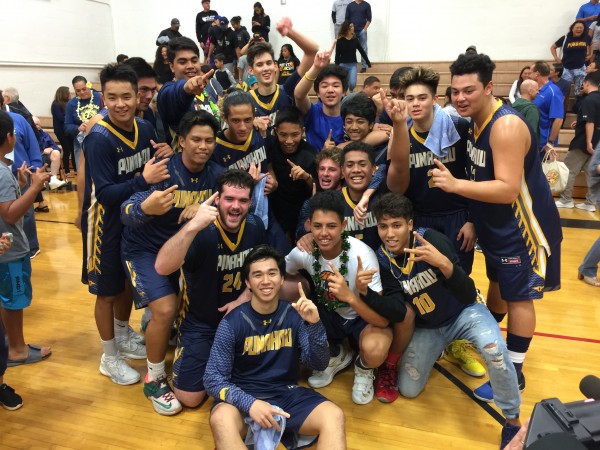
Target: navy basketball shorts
<point>194,341</point>
<point>339,328</point>
<point>449,225</point>
<point>148,285</point>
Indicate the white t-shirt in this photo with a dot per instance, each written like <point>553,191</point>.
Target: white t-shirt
<point>297,259</point>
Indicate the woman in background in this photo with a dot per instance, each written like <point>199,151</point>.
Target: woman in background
<point>161,65</point>
<point>261,23</point>
<point>515,90</point>
<point>345,52</point>
<point>288,62</point>
<point>59,104</point>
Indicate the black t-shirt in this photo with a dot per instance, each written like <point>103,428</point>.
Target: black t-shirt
<point>574,50</point>
<point>287,200</point>
<point>204,20</point>
<point>589,112</point>
<point>242,37</point>
<point>225,41</point>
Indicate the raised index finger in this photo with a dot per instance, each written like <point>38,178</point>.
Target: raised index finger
<point>170,189</point>
<point>335,269</point>
<point>332,46</point>
<point>329,135</point>
<point>290,163</point>
<point>440,165</point>
<point>420,238</point>
<point>301,290</point>
<point>360,266</point>
<point>210,199</point>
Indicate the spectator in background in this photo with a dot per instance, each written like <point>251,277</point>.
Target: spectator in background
<point>169,33</point>
<point>371,87</point>
<point>515,89</point>
<point>261,23</point>
<point>588,12</point>
<point>10,96</point>
<point>594,32</point>
<point>528,91</point>
<point>50,155</point>
<point>359,13</point>
<point>59,104</point>
<point>396,90</point>
<point>556,71</point>
<point>583,144</point>
<point>121,58</point>
<point>576,49</point>
<point>448,106</point>
<point>550,102</point>
<point>241,34</point>
<point>223,41</point>
<point>161,65</point>
<point>222,73</point>
<point>288,62</point>
<point>252,83</point>
<point>471,49</point>
<point>345,52</point>
<point>204,20</point>
<point>588,270</point>
<point>338,15</point>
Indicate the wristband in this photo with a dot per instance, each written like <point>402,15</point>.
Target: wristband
<point>309,78</point>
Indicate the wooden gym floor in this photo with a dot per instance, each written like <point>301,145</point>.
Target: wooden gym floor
<point>68,404</point>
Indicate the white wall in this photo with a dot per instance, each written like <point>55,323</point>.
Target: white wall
<point>53,40</point>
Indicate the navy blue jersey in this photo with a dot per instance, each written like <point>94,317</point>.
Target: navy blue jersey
<point>434,298</point>
<point>240,156</point>
<point>148,116</point>
<point>425,197</point>
<point>268,105</point>
<point>212,268</point>
<point>254,354</point>
<point>525,230</point>
<point>114,159</point>
<point>143,233</point>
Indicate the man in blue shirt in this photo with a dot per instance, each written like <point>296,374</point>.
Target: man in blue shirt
<point>359,13</point>
<point>588,12</point>
<point>550,102</point>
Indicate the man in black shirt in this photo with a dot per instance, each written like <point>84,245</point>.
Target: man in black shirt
<point>169,33</point>
<point>223,40</point>
<point>204,20</point>
<point>582,146</point>
<point>241,33</point>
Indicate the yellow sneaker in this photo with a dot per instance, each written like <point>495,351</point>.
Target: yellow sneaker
<point>457,352</point>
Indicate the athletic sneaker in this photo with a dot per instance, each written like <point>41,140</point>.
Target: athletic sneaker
<point>586,207</point>
<point>485,393</point>
<point>386,383</point>
<point>564,204</point>
<point>508,433</point>
<point>162,397</point>
<point>362,390</point>
<point>135,336</point>
<point>55,183</point>
<point>9,399</point>
<point>118,370</point>
<point>457,352</point>
<point>322,378</point>
<point>130,348</point>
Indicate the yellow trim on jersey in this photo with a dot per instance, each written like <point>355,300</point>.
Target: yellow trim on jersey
<point>133,144</point>
<point>476,131</point>
<point>94,233</point>
<point>222,394</point>
<point>200,97</point>
<point>268,106</point>
<point>347,197</point>
<point>128,207</point>
<point>242,147</point>
<point>406,269</point>
<point>226,239</point>
<point>418,138</point>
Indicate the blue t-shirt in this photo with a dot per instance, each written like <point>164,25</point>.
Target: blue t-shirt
<point>587,10</point>
<point>318,124</point>
<point>550,102</point>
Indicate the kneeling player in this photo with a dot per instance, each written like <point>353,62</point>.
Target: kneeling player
<point>443,298</point>
<point>253,367</point>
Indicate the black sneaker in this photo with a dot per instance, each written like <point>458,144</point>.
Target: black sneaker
<point>9,399</point>
<point>508,433</point>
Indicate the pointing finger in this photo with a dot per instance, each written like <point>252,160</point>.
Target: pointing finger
<point>210,199</point>
<point>301,290</point>
<point>314,189</point>
<point>329,136</point>
<point>332,47</point>
<point>419,238</point>
<point>440,165</point>
<point>290,163</point>
<point>335,269</point>
<point>360,266</point>
<point>170,189</point>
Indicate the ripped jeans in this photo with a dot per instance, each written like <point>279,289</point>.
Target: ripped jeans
<point>476,324</point>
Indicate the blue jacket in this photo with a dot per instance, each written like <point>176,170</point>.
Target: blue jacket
<point>26,148</point>
<point>72,119</point>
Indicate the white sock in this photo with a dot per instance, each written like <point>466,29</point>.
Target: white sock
<point>155,370</point>
<point>121,329</point>
<point>109,347</point>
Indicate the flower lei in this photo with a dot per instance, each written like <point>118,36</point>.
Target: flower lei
<point>318,281</point>
<point>85,113</point>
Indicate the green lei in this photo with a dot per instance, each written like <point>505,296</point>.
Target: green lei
<point>316,277</point>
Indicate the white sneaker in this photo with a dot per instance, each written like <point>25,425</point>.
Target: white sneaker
<point>562,204</point>
<point>129,348</point>
<point>118,370</point>
<point>362,390</point>
<point>55,183</point>
<point>585,207</point>
<point>136,337</point>
<point>320,379</point>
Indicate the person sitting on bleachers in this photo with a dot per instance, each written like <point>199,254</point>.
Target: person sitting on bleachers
<point>50,155</point>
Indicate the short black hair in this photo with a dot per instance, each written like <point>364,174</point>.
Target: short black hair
<point>236,19</point>
<point>121,58</point>
<point>178,44</point>
<point>477,63</point>
<point>220,57</point>
<point>358,146</point>
<point>395,78</point>
<point>290,114</point>
<point>393,205</point>
<point>260,253</point>
<point>593,78</point>
<point>235,177</point>
<point>541,67</point>
<point>236,98</point>
<point>558,68</point>
<point>200,118</point>
<point>7,126</point>
<point>360,105</point>
<point>328,201</point>
<point>370,80</point>
<point>258,49</point>
<point>141,68</point>
<point>332,70</point>
<point>118,72</point>
<point>77,79</point>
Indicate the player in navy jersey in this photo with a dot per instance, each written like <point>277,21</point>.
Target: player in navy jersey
<point>151,218</point>
<point>118,162</point>
<point>212,258</point>
<point>269,96</point>
<point>517,223</point>
<point>422,277</point>
<point>187,92</point>
<point>253,368</point>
